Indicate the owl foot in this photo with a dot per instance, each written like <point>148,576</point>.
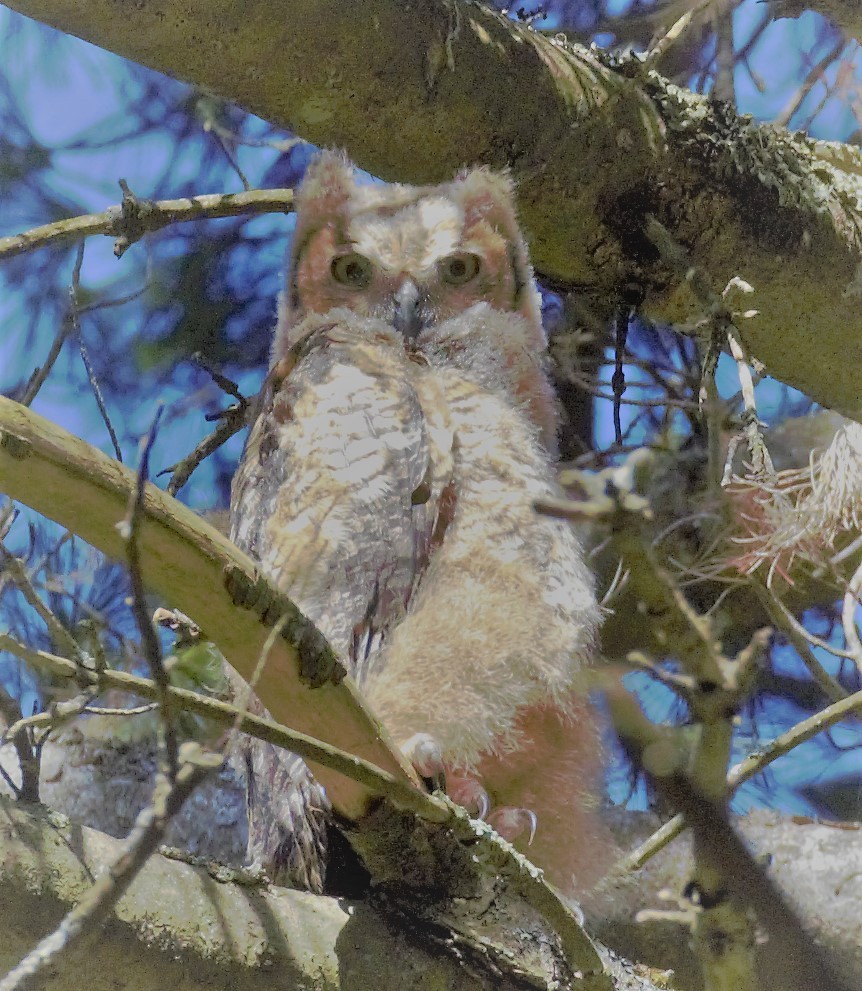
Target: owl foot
<point>512,823</point>
<point>468,793</point>
<point>426,756</point>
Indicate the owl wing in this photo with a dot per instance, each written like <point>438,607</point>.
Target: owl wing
<point>340,496</point>
<point>344,480</point>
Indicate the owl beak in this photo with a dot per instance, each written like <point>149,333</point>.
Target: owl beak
<point>407,320</point>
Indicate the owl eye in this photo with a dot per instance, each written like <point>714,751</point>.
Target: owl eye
<point>460,269</point>
<point>352,270</point>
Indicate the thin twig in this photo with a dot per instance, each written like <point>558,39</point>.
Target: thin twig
<point>583,382</point>
<point>681,684</point>
<point>150,645</point>
<point>62,638</point>
<point>784,116</point>
<point>58,713</point>
<point>41,373</point>
<point>617,584</point>
<point>675,33</point>
<point>97,393</point>
<point>848,618</point>
<point>231,156</point>
<point>831,688</point>
<point>235,419</point>
<point>8,515</point>
<point>618,379</point>
<point>222,381</point>
<point>798,628</point>
<point>761,461</point>
<point>225,714</point>
<point>85,357</point>
<point>104,710</point>
<point>712,408</point>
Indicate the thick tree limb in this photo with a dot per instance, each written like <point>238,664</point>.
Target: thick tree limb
<point>113,883</point>
<point>211,933</point>
<point>596,148</point>
<point>184,926</point>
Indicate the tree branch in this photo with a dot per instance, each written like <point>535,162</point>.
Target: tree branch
<point>110,886</point>
<point>127,225</point>
<point>227,715</point>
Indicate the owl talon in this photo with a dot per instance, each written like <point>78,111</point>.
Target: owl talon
<point>468,793</point>
<point>512,823</point>
<point>426,756</point>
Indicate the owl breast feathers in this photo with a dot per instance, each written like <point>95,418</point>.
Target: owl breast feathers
<point>388,483</point>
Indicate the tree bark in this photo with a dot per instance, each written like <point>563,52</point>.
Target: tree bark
<point>213,932</point>
<point>190,927</point>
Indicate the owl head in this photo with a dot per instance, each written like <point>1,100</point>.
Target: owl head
<point>417,258</point>
<point>412,256</point>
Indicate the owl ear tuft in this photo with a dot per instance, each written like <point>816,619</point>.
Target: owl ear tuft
<point>323,196</point>
<point>487,195</point>
<point>326,188</point>
<point>321,200</point>
<point>328,184</point>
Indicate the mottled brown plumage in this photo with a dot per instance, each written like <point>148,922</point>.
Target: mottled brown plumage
<point>388,484</point>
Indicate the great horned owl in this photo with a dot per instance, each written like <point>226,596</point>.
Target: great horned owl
<point>388,487</point>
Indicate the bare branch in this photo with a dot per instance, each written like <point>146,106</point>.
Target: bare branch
<point>59,634</point>
<point>794,960</point>
<point>41,372</point>
<point>848,618</point>
<point>82,348</point>
<point>746,769</point>
<point>234,419</point>
<point>799,638</point>
<point>128,225</point>
<point>228,715</point>
<point>152,650</point>
<point>783,118</point>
